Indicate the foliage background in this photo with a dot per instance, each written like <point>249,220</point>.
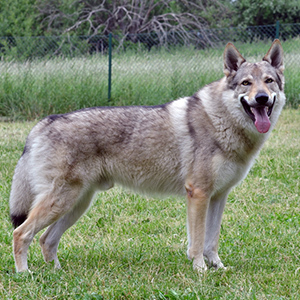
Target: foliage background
<point>39,17</point>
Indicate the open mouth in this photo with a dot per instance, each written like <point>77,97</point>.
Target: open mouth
<point>259,114</point>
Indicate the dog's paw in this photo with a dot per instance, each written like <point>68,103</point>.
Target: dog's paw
<point>218,265</point>
<point>23,271</point>
<point>199,265</point>
<point>214,261</point>
<point>57,264</point>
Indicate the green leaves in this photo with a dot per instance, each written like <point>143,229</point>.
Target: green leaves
<point>19,18</point>
<point>264,12</point>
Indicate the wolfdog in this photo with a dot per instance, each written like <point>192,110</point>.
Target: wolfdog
<point>199,146</point>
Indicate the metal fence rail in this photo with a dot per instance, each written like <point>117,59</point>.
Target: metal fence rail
<point>171,65</point>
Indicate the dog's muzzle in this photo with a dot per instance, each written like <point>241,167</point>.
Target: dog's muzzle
<point>259,109</point>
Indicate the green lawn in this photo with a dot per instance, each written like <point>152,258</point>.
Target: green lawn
<point>132,247</point>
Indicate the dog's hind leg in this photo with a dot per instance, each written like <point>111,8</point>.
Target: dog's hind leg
<point>197,202</point>
<point>213,225</point>
<point>48,208</point>
<point>50,239</point>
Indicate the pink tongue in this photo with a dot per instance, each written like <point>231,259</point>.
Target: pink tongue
<point>262,122</point>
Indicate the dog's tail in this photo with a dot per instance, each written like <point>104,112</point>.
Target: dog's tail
<point>21,196</point>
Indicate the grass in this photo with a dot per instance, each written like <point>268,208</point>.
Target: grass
<point>37,88</point>
<point>132,247</point>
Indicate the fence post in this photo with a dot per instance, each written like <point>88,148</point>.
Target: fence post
<point>277,30</point>
<point>109,64</point>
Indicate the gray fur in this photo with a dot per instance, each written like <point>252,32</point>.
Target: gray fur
<point>200,146</point>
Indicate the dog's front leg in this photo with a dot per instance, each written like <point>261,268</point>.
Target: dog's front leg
<point>213,225</point>
<point>197,203</point>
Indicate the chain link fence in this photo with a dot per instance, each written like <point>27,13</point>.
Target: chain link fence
<point>24,48</point>
<point>144,68</point>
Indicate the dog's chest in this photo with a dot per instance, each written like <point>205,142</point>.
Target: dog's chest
<point>228,173</point>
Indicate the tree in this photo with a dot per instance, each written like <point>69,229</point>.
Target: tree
<point>265,12</point>
<point>19,18</point>
<point>161,18</point>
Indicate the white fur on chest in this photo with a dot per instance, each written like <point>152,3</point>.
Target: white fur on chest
<point>228,173</point>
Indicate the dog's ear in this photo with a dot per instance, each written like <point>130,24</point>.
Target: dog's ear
<point>232,59</point>
<point>275,55</point>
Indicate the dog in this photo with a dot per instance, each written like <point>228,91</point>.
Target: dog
<point>199,147</point>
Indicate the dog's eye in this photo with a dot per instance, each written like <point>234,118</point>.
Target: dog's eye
<point>246,82</point>
<point>269,80</point>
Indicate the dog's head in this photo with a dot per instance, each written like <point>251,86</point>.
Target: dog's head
<point>258,87</point>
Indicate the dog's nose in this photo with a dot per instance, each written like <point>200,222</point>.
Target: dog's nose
<point>261,98</point>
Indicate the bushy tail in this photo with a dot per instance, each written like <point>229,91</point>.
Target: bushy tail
<point>17,220</point>
<point>21,196</point>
